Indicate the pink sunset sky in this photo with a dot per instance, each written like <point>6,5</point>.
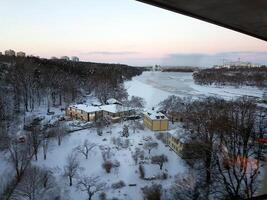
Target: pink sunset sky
<point>120,31</point>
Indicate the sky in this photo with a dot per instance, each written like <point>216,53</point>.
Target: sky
<point>120,31</point>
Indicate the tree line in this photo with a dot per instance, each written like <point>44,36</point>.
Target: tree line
<point>236,76</point>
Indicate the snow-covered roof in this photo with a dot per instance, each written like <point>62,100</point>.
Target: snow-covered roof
<point>155,115</point>
<point>113,101</point>
<point>113,108</point>
<point>181,134</point>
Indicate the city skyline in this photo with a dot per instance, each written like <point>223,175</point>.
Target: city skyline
<point>121,31</point>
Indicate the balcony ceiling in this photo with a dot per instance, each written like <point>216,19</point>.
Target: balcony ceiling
<point>245,16</point>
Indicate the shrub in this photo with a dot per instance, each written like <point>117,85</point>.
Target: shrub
<point>142,171</point>
<point>107,165</point>
<point>118,185</point>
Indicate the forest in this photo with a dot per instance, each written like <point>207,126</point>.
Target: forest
<point>31,82</point>
<point>235,76</point>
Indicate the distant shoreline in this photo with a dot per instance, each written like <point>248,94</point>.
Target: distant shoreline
<point>180,69</point>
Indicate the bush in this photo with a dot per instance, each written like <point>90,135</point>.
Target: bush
<point>118,185</point>
<point>142,171</point>
<point>153,192</point>
<point>107,165</point>
<point>102,196</point>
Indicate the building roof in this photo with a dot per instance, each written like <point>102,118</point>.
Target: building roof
<point>181,134</point>
<point>246,16</point>
<point>113,108</point>
<point>113,101</point>
<point>155,115</point>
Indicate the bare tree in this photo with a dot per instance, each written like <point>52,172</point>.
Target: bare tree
<point>35,184</point>
<point>45,143</point>
<point>72,167</point>
<point>150,145</point>
<point>34,139</point>
<point>85,148</point>
<point>125,131</point>
<point>137,154</point>
<point>60,132</point>
<point>173,105</point>
<point>90,185</point>
<point>185,187</point>
<point>19,158</point>
<point>159,160</point>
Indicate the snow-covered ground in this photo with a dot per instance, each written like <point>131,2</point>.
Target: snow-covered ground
<point>128,170</point>
<point>157,86</point>
<point>153,87</point>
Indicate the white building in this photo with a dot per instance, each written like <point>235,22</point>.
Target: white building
<point>64,58</point>
<point>10,52</point>
<point>239,64</point>
<point>75,59</point>
<point>21,54</point>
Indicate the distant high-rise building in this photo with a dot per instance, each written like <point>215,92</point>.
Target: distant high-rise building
<point>75,59</point>
<point>64,58</point>
<point>10,52</point>
<point>21,54</point>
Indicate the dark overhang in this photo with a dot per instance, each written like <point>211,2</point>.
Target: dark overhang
<point>245,16</point>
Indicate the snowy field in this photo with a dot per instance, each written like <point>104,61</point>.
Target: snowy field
<point>128,171</point>
<point>157,86</point>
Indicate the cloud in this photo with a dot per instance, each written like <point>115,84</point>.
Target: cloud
<point>208,60</point>
<point>110,53</point>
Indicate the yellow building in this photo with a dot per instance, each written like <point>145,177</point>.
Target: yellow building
<point>175,144</point>
<point>156,121</point>
<point>84,112</point>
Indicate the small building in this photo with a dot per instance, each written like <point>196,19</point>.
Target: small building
<point>156,121</point>
<point>113,101</point>
<point>10,52</point>
<point>54,58</point>
<point>75,59</point>
<point>175,143</point>
<point>113,112</point>
<point>21,54</point>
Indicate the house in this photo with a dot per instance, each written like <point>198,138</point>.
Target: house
<point>10,52</point>
<point>21,54</point>
<point>175,143</point>
<point>113,112</point>
<point>156,121</point>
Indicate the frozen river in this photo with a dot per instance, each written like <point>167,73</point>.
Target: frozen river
<point>157,86</point>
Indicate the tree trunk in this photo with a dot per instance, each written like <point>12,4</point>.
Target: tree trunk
<point>70,180</point>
